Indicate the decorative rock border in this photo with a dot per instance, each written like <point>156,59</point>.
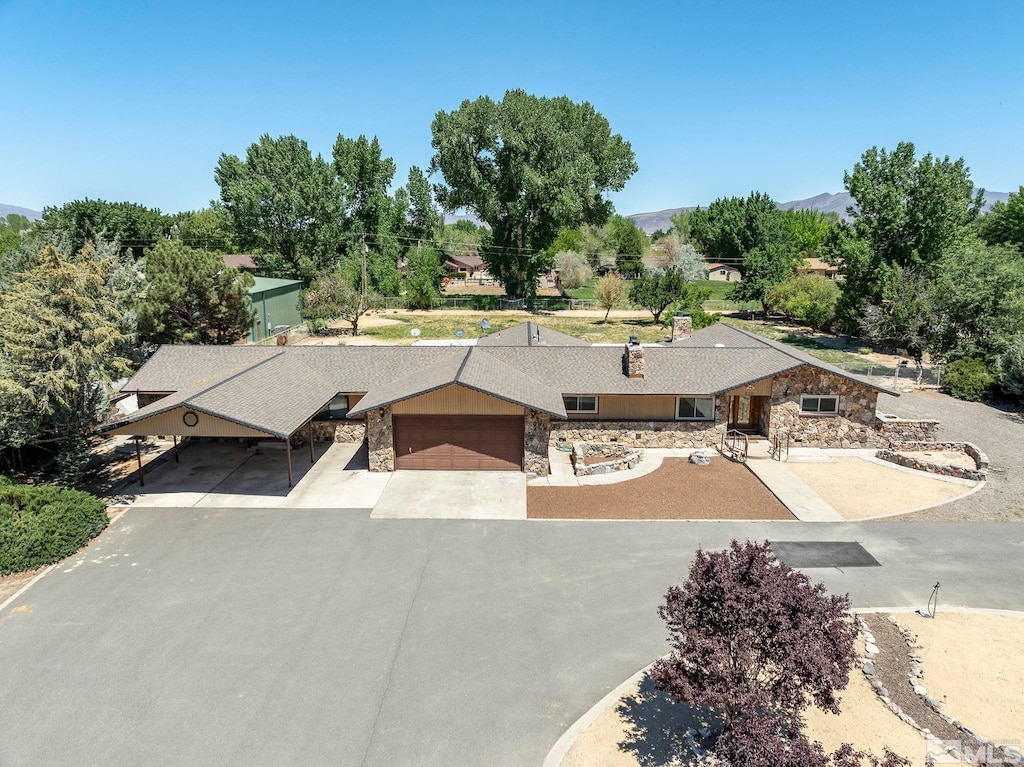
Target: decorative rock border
<point>978,474</point>
<point>620,457</point>
<point>915,678</point>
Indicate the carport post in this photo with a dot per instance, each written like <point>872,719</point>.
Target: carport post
<point>138,457</point>
<point>176,448</point>
<point>311,459</point>
<point>288,452</point>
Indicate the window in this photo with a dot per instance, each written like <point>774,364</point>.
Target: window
<point>580,404</point>
<point>721,271</point>
<point>819,405</point>
<point>695,409</point>
<point>336,409</point>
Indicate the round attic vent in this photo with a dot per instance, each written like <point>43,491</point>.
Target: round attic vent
<point>190,418</point>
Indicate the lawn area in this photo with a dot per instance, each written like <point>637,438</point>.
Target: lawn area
<point>719,290</point>
<point>586,290</point>
<point>434,326</point>
<point>854,363</point>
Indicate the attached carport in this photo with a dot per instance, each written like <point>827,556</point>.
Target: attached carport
<point>266,403</point>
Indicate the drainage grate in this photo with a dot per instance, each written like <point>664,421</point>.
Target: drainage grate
<point>823,554</point>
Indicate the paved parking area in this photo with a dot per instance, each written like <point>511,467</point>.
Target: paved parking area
<point>453,495</point>
<point>229,475</point>
<point>199,636</point>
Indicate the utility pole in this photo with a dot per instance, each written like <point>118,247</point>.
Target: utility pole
<point>363,237</point>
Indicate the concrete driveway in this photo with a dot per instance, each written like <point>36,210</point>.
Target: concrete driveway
<point>453,495</point>
<point>200,636</point>
<point>229,475</point>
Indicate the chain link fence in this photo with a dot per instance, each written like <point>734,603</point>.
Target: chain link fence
<point>495,303</point>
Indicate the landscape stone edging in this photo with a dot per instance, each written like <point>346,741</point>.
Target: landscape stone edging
<point>913,678</point>
<point>978,474</point>
<point>623,457</point>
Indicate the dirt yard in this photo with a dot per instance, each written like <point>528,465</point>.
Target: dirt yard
<point>971,661</point>
<point>676,490</point>
<point>857,488</point>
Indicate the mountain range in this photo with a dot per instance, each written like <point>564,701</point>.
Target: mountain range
<point>825,202</point>
<point>31,215</point>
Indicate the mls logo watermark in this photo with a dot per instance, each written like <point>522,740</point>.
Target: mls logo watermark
<point>967,751</point>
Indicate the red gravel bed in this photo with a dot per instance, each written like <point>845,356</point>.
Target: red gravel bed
<point>678,489</point>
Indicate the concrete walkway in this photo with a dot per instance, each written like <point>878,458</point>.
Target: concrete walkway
<point>795,494</point>
<point>453,495</point>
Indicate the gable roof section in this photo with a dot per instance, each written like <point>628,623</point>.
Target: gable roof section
<point>173,368</point>
<point>475,370</point>
<point>529,334</point>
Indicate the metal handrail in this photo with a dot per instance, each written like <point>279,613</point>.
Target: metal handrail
<point>731,445</point>
<point>779,445</point>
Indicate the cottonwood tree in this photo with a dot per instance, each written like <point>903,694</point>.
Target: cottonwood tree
<point>331,297</point>
<point>59,341</point>
<point>610,291</point>
<point>134,226</point>
<point>527,166</point>
<point>424,276</point>
<point>1004,223</point>
<point>763,269</point>
<point>192,298</point>
<point>731,227</point>
<point>284,203</point>
<point>749,633</point>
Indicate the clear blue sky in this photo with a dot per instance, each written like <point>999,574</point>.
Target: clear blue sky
<point>135,101</point>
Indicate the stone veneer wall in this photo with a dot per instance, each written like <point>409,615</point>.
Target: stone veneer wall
<point>647,433</point>
<point>894,455</point>
<point>380,439</point>
<point>853,427</point>
<point>535,442</point>
<point>333,431</point>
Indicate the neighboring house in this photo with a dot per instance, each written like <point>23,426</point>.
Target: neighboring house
<point>820,268</point>
<point>241,261</point>
<point>277,306</point>
<point>471,267</point>
<point>501,404</point>
<point>723,273</point>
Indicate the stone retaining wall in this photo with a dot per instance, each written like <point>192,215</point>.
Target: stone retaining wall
<point>892,429</point>
<point>612,456</point>
<point>978,474</point>
<point>333,431</point>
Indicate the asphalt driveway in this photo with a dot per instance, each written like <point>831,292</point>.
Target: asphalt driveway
<point>199,636</point>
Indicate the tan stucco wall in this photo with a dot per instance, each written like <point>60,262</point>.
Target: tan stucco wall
<point>455,400</point>
<point>171,424</point>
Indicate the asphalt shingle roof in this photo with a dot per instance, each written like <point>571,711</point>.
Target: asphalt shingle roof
<point>529,334</point>
<point>278,389</point>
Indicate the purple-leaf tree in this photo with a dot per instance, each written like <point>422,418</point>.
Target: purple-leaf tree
<point>750,634</point>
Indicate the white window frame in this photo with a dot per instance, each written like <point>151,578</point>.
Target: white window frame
<point>694,418</point>
<point>578,397</point>
<point>819,411</point>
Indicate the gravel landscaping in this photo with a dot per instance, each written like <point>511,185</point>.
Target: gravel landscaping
<point>998,433</point>
<point>676,490</point>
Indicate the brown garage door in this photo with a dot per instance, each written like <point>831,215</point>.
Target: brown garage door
<point>459,443</point>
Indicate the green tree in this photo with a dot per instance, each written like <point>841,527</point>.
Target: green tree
<point>12,228</point>
<point>59,337</point>
<point>331,297</point>
<point>373,216</point>
<point>629,244</point>
<point>283,203</point>
<point>209,229</point>
<point>909,213</point>
<point>731,227</point>
<point>1009,367</point>
<point>1004,223</point>
<point>527,166</point>
<point>192,298</point>
<point>424,276</point>
<point>573,269</point>
<point>656,290</point>
<point>809,229</point>
<point>763,269</point>
<point>906,315</point>
<point>808,298</point>
<point>135,226</point>
<point>424,218</point>
<point>681,225</point>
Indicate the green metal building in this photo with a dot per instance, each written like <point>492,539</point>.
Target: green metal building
<point>277,307</point>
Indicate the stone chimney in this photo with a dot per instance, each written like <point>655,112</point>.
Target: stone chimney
<point>634,358</point>
<point>682,327</point>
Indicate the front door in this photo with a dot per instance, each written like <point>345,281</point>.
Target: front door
<point>744,413</point>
